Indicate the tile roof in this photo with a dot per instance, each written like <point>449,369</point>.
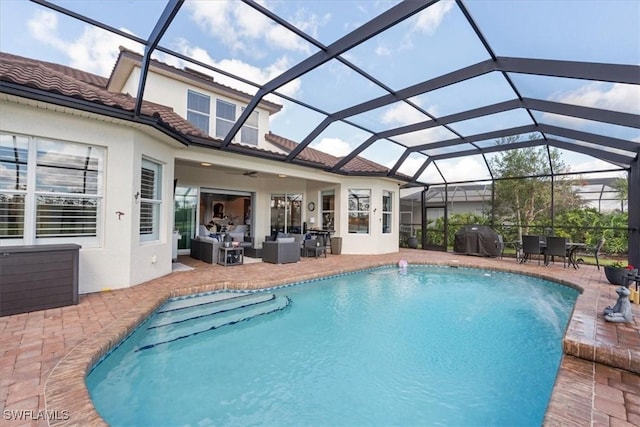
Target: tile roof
<point>194,74</point>
<point>83,86</point>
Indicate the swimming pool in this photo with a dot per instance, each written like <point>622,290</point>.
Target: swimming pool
<point>429,345</point>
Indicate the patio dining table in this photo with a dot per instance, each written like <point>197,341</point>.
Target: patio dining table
<point>572,248</point>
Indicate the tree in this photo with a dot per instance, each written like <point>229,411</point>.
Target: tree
<point>523,195</point>
<point>621,185</point>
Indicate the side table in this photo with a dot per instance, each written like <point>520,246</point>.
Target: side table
<point>232,255</point>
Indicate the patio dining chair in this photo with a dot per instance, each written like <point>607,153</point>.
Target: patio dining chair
<point>556,247</point>
<point>531,245</point>
<point>592,251</point>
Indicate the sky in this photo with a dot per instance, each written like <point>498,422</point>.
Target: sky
<point>236,38</point>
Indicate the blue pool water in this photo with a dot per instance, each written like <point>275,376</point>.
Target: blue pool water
<point>429,346</point>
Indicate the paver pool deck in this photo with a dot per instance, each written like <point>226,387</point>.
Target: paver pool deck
<point>45,355</point>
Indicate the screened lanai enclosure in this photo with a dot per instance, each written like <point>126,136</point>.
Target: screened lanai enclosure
<point>521,113</point>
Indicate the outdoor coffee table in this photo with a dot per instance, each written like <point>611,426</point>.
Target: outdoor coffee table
<point>231,255</point>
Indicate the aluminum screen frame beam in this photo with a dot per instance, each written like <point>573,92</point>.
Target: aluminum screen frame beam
<point>613,73</point>
<point>169,12</point>
<point>380,23</point>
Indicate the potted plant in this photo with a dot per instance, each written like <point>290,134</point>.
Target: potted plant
<point>617,272</point>
<point>412,242</point>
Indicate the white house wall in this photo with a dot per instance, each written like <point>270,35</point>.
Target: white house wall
<point>152,259</point>
<point>117,259</point>
<point>375,242</point>
<point>308,182</point>
<point>166,91</point>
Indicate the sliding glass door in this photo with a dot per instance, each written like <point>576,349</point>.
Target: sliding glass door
<point>286,213</point>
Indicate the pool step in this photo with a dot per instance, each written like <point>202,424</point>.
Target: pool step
<point>175,325</point>
<point>206,307</point>
<point>198,300</point>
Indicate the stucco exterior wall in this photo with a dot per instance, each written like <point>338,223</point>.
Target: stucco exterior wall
<point>310,183</point>
<point>166,91</point>
<point>115,259</point>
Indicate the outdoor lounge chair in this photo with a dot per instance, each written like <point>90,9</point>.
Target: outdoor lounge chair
<point>283,250</point>
<point>314,247</point>
<point>205,249</point>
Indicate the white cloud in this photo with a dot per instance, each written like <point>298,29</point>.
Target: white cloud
<point>383,51</point>
<point>463,169</point>
<point>401,114</point>
<point>615,97</point>
<point>430,19</point>
<point>409,167</point>
<point>232,22</point>
<point>334,146</point>
<point>238,68</point>
<point>591,168</point>
<point>425,136</point>
<point>94,51</point>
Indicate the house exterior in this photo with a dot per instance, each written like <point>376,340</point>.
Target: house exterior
<point>78,166</point>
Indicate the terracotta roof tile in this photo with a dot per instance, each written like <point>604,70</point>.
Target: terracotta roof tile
<point>89,87</point>
<point>85,86</point>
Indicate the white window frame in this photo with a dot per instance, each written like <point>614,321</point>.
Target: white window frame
<point>199,113</point>
<point>153,200</point>
<point>328,215</point>
<point>358,209</point>
<point>249,133</point>
<point>32,193</point>
<point>227,121</point>
<point>387,213</point>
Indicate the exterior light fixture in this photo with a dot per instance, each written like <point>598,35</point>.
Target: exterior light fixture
<point>205,164</point>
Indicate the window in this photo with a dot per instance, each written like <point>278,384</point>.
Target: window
<point>198,110</point>
<point>249,131</point>
<point>286,213</point>
<point>49,189</point>
<point>387,204</point>
<point>225,117</point>
<point>359,211</point>
<point>328,210</point>
<point>14,152</point>
<point>150,200</point>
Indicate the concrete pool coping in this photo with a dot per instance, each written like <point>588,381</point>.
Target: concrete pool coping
<point>575,398</point>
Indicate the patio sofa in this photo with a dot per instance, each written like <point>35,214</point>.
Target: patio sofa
<point>285,249</point>
<point>205,249</point>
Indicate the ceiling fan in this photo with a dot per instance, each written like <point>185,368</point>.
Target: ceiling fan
<point>250,174</point>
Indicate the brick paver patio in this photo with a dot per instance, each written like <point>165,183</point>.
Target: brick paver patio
<point>45,355</point>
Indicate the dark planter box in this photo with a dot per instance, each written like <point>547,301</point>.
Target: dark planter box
<point>617,275</point>
<point>412,242</point>
<point>38,277</point>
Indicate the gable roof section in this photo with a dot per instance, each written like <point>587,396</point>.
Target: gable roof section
<point>128,59</point>
<point>81,86</point>
<point>79,89</point>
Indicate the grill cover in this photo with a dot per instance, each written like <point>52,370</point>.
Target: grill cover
<point>477,240</point>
